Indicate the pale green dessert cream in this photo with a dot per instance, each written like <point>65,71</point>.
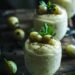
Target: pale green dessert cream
<point>41,58</point>
<point>57,22</point>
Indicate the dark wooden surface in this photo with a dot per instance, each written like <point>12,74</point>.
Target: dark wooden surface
<point>13,49</point>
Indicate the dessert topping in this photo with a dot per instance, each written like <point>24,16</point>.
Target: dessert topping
<point>43,36</point>
<point>47,8</point>
<point>35,36</point>
<point>42,7</point>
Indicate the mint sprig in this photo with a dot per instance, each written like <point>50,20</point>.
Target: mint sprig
<point>46,29</point>
<point>49,4</point>
<point>42,3</point>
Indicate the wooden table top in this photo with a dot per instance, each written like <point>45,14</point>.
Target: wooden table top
<point>13,50</point>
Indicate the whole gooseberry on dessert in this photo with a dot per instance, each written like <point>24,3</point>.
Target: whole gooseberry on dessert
<point>53,9</point>
<point>46,38</point>
<point>42,7</point>
<point>52,41</point>
<point>35,37</point>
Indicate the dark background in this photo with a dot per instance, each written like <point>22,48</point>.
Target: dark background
<point>4,4</point>
<point>17,4</point>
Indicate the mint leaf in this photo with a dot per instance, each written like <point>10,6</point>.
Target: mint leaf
<point>49,4</point>
<point>47,29</point>
<point>42,3</point>
<point>51,29</point>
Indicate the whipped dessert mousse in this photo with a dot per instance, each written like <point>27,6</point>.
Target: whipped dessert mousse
<point>69,5</point>
<point>42,54</point>
<point>54,15</point>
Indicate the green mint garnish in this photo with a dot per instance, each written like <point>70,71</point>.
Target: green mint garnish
<point>49,4</point>
<point>47,29</point>
<point>42,3</point>
<point>50,7</point>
